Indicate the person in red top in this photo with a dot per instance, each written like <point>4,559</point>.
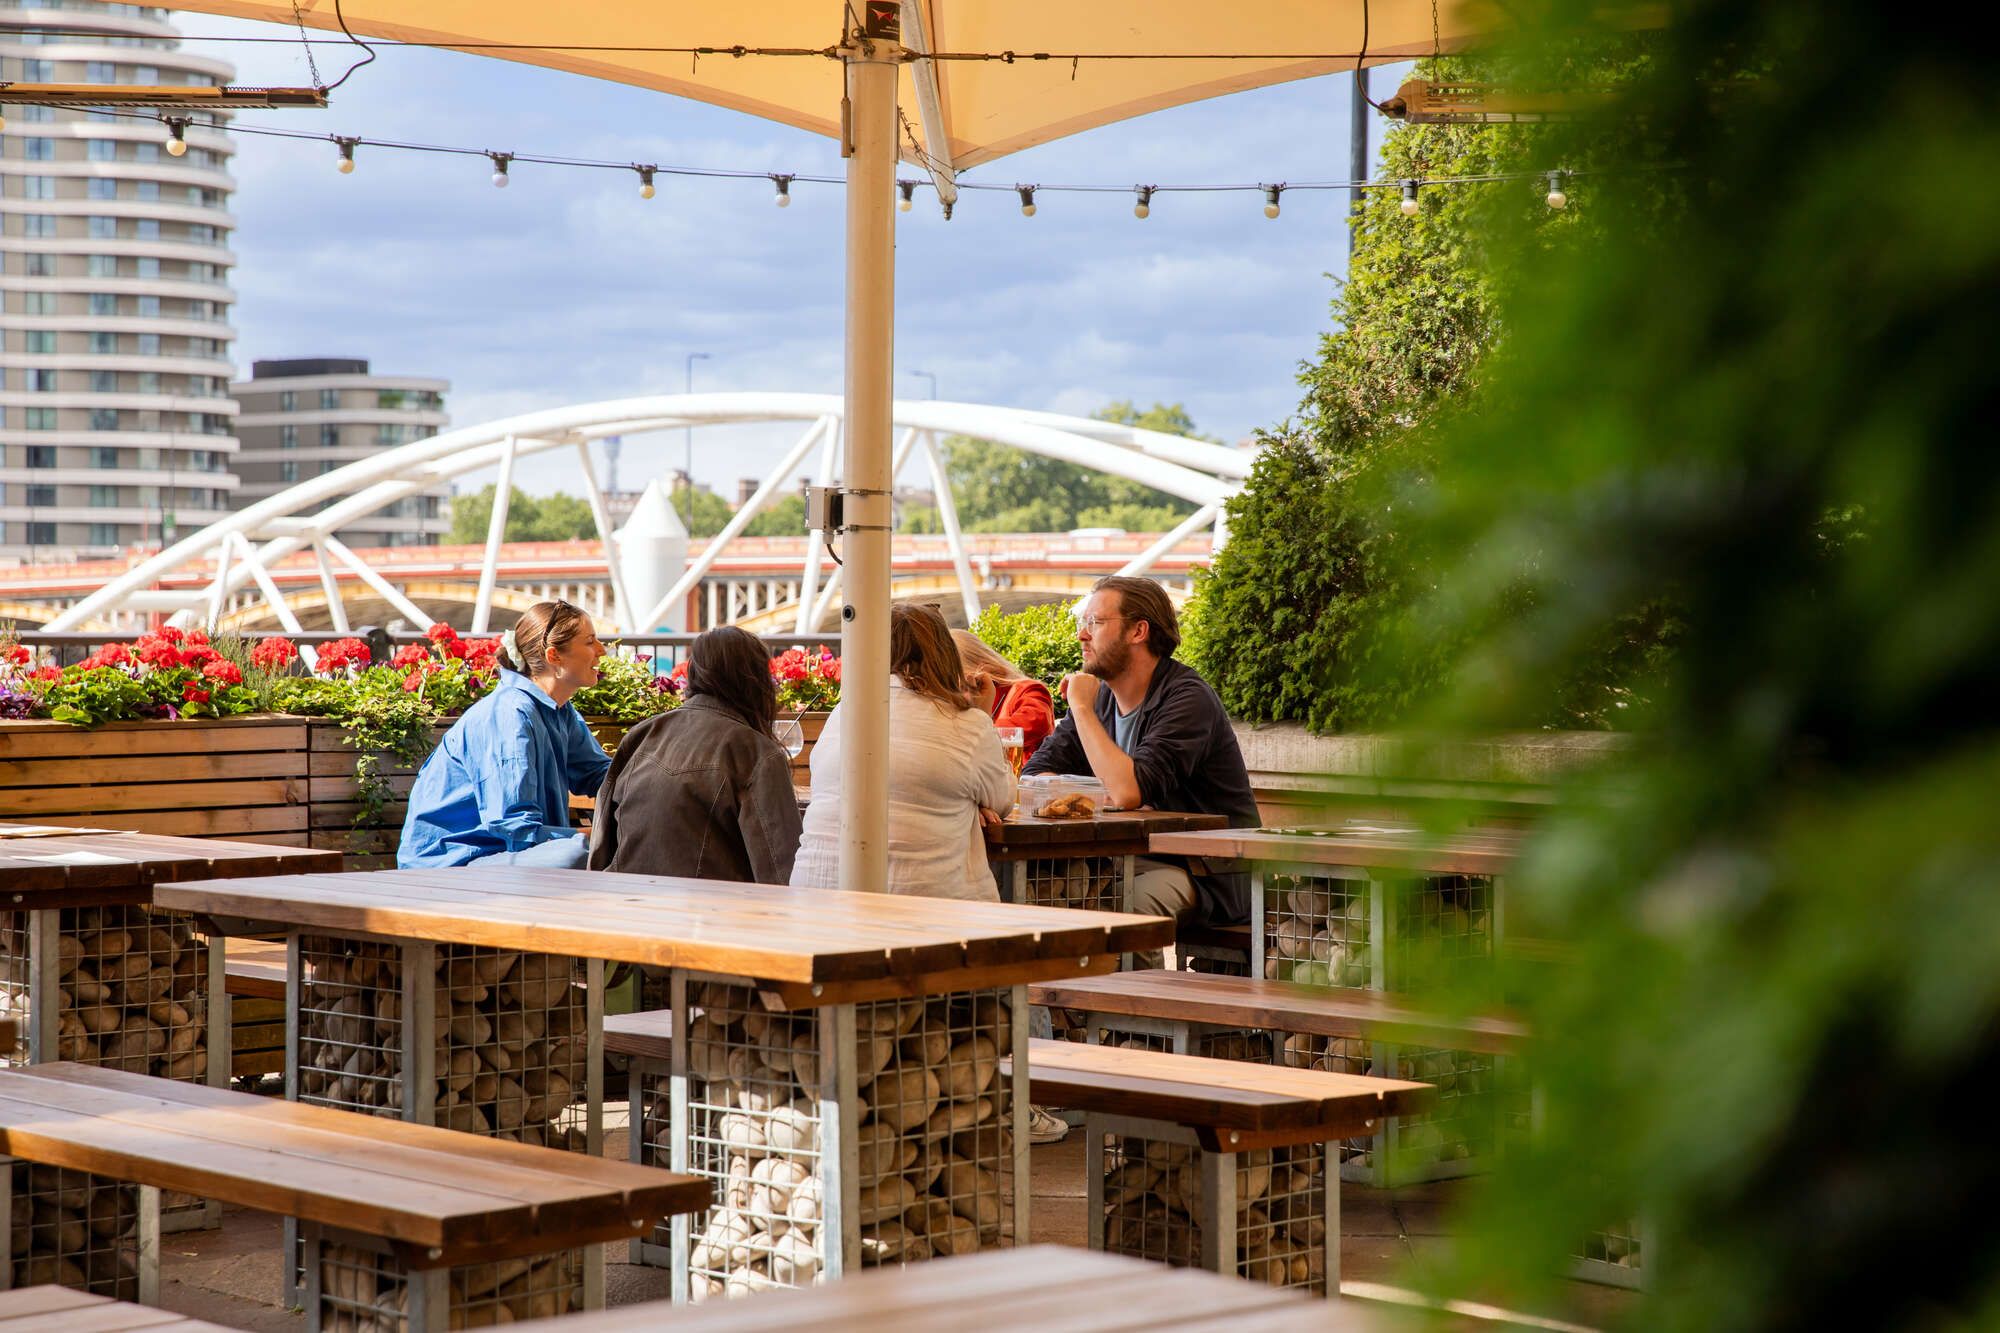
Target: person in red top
<point>1014,700</point>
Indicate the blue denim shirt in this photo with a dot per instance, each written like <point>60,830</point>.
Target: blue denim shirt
<point>501,779</point>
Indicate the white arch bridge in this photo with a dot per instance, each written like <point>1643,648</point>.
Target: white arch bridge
<point>243,548</point>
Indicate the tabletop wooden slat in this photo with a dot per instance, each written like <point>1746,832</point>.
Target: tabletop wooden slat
<point>414,1184</point>
<point>60,1308</point>
<point>1327,1011</point>
<point>1222,1094</point>
<point>765,932</point>
<point>1359,845</point>
<point>1106,833</point>
<point>256,968</point>
<point>60,866</point>
<point>1046,1288</point>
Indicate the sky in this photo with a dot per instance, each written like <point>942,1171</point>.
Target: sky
<point>567,287</point>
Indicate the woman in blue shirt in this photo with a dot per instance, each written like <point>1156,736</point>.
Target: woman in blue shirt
<point>497,788</point>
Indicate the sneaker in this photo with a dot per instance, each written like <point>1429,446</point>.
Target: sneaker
<point>1045,1128</point>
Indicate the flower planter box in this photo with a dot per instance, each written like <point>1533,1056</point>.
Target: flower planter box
<point>243,778</point>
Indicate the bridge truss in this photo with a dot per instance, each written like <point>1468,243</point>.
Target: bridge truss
<point>246,545</point>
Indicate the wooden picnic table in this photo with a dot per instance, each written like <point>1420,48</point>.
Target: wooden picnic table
<point>96,972</point>
<point>835,1047</point>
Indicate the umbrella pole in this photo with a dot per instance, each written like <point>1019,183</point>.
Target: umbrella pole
<point>865,473</point>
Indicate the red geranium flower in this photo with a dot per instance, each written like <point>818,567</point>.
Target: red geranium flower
<point>193,694</point>
<point>274,654</point>
<point>343,653</point>
<point>413,681</point>
<point>441,633</point>
<point>158,651</point>
<point>19,654</point>
<point>223,671</point>
<point>409,655</point>
<point>46,673</point>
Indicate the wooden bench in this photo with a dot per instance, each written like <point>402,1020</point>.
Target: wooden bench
<point>1038,1288</point>
<point>33,1309</point>
<point>401,1222</point>
<point>1336,1029</point>
<point>1215,1164</point>
<point>254,979</point>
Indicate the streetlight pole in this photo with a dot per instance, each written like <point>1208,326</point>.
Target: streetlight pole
<point>926,375</point>
<point>688,437</point>
<point>1357,155</point>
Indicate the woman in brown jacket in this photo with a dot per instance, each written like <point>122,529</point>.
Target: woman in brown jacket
<point>704,791</point>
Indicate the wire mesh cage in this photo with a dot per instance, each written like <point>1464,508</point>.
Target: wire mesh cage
<point>71,1228</point>
<point>1462,1132</point>
<point>360,1285</point>
<point>1089,883</point>
<point>1402,934</point>
<point>842,1137</point>
<point>1614,1256</point>
<point>122,986</point>
<point>1263,1214</point>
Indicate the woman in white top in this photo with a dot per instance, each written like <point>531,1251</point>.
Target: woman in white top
<point>945,769</point>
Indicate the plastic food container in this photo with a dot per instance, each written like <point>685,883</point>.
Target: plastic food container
<point>1040,788</point>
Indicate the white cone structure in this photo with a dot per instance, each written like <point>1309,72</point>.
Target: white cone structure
<point>652,554</point>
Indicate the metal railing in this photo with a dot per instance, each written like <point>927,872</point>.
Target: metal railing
<point>71,646</point>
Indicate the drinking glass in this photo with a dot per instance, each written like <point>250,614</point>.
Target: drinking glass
<point>792,736</point>
<point>1014,746</point>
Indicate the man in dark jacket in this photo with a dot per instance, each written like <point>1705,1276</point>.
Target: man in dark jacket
<point>1154,733</point>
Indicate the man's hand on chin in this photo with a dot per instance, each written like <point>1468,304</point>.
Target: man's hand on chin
<point>1080,689</point>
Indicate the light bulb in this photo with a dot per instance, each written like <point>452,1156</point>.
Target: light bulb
<point>646,190</point>
<point>1027,200</point>
<point>176,147</point>
<point>1271,200</point>
<point>346,164</point>
<point>1144,208</point>
<point>1410,206</point>
<point>784,196</point>
<point>176,137</point>
<point>500,161</point>
<point>500,180</point>
<point>3,122</point>
<point>909,191</point>
<point>1557,199</point>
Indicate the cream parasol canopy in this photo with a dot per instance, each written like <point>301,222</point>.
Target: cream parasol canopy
<point>946,85</point>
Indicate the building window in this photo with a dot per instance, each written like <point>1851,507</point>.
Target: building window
<point>147,192</point>
<point>147,229</point>
<point>38,303</point>
<point>104,381</point>
<point>38,224</point>
<point>104,534</point>
<point>145,152</point>
<point>329,400</point>
<point>329,436</point>
<point>101,187</point>
<point>36,70</point>
<point>288,401</point>
<point>104,456</point>
<point>103,229</point>
<point>101,266</point>
<point>104,418</point>
<point>38,149</point>
<point>41,534</point>
<point>149,381</point>
<point>40,418</point>
<point>288,471</point>
<point>41,341</point>
<point>388,433</point>
<point>328,466</point>
<point>288,437</point>
<point>149,307</point>
<point>104,344</point>
<point>101,150</point>
<point>41,266</point>
<point>198,233</point>
<point>146,267</point>
<point>40,495</point>
<point>100,71</point>
<point>103,497</point>
<point>41,455</point>
<point>38,187</point>
<point>103,303</point>
<point>41,381</point>
<point>149,344</point>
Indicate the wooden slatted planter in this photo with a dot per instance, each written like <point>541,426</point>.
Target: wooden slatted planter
<point>243,778</point>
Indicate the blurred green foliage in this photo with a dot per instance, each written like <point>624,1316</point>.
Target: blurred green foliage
<point>530,518</point>
<point>1040,640</point>
<point>1770,409</point>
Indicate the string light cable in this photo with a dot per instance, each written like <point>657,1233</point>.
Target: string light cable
<point>1030,195</point>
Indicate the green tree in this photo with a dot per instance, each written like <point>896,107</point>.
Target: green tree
<point>704,513</point>
<point>783,517</point>
<point>999,488</point>
<point>530,518</point>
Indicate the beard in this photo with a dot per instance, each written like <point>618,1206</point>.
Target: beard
<point>1107,660</point>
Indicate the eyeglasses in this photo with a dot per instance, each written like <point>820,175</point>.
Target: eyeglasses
<point>1096,623</point>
